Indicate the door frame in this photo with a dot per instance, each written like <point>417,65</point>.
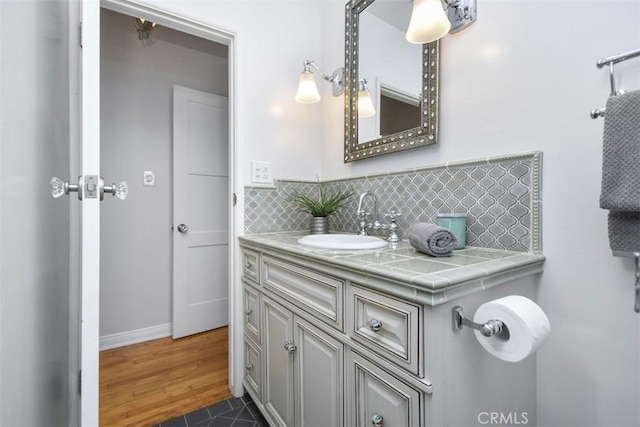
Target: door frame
<point>233,41</point>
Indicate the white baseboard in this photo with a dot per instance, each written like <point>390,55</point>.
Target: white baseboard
<point>122,339</point>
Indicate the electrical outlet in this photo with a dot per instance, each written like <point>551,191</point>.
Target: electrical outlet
<point>148,179</point>
<point>261,173</point>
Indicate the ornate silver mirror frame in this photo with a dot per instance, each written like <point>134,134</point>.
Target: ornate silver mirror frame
<point>425,134</point>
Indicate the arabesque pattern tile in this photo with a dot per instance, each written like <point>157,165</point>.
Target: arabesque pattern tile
<point>500,195</point>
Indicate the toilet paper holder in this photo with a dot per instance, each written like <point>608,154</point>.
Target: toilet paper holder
<point>491,328</point>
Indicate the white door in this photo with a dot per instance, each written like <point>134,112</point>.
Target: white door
<point>90,265</point>
<point>200,211</point>
<point>37,386</point>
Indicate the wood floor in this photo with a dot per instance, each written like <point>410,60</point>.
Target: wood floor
<point>144,384</point>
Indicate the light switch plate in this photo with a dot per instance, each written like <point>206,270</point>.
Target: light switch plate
<point>148,179</point>
<point>261,173</point>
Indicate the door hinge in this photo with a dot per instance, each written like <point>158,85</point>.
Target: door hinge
<point>81,34</point>
<point>235,199</point>
<point>80,382</point>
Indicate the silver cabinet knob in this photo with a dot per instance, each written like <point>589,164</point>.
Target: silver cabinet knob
<point>249,367</point>
<point>182,228</point>
<point>291,348</point>
<point>377,419</point>
<point>375,325</point>
<point>248,312</point>
<point>248,265</point>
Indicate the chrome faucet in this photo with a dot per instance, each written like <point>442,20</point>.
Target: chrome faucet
<point>362,215</point>
<point>364,225</point>
<point>393,226</point>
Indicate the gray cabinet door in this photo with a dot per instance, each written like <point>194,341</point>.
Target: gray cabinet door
<point>278,390</point>
<point>319,377</point>
<point>380,399</point>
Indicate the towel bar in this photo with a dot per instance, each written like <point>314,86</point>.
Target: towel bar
<point>636,257</point>
<point>611,61</point>
<point>617,58</point>
<point>599,112</point>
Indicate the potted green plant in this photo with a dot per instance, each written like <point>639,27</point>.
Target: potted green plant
<point>328,203</point>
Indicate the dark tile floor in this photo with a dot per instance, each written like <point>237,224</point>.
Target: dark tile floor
<point>233,412</point>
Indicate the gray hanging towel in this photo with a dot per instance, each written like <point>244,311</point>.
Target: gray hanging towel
<point>621,154</point>
<point>621,171</point>
<point>624,231</point>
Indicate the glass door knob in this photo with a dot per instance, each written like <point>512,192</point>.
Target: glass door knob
<point>59,187</point>
<point>119,190</point>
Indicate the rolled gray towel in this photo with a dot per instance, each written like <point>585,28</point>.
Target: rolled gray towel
<point>432,239</point>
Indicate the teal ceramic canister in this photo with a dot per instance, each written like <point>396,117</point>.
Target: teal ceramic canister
<point>456,223</point>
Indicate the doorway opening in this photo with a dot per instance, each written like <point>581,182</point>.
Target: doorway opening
<point>137,146</point>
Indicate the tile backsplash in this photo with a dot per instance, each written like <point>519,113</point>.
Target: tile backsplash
<point>500,195</point>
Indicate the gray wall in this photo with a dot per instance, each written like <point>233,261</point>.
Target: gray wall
<point>523,78</point>
<point>136,135</point>
<point>34,228</point>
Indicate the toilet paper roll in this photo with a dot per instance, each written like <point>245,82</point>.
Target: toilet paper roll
<point>527,324</point>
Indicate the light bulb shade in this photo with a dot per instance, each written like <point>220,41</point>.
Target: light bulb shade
<point>365,104</point>
<point>307,89</point>
<point>428,22</point>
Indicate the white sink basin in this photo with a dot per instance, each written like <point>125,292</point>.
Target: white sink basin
<point>342,241</point>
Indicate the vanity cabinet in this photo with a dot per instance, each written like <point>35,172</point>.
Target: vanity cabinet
<point>332,343</point>
<point>297,350</point>
<point>304,371</point>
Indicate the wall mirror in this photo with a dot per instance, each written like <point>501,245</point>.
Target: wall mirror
<point>401,77</point>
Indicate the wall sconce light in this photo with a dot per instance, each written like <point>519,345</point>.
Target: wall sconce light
<point>143,27</point>
<point>307,89</point>
<point>365,103</point>
<point>429,22</point>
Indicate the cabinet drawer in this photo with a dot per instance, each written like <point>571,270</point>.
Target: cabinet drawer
<point>253,369</point>
<point>388,326</point>
<point>251,309</point>
<point>380,398</point>
<point>315,293</point>
<point>251,265</point>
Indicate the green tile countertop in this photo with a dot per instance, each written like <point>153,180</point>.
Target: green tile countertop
<point>403,271</point>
